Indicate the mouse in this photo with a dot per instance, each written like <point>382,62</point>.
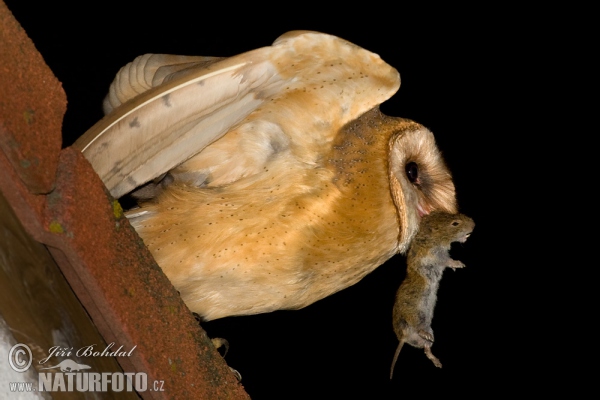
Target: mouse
<point>427,257</point>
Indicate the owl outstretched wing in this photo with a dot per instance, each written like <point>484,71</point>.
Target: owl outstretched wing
<point>211,121</point>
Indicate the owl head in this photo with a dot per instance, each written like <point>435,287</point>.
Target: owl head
<point>420,181</point>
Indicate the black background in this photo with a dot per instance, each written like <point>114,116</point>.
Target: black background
<point>455,66</point>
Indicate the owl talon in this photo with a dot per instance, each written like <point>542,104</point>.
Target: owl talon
<point>238,376</point>
<point>220,342</point>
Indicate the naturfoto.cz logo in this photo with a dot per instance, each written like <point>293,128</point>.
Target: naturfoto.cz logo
<point>69,375</point>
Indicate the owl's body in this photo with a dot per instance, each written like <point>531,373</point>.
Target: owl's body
<point>266,237</point>
<point>298,199</point>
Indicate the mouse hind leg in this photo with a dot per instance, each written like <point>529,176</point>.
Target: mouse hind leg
<point>430,355</point>
<point>427,335</point>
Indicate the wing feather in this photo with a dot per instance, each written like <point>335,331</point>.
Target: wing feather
<point>168,109</point>
<point>148,71</point>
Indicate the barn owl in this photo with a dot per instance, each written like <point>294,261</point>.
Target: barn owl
<point>270,179</point>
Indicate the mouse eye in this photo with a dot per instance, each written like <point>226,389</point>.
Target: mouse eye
<point>455,223</point>
<point>412,171</point>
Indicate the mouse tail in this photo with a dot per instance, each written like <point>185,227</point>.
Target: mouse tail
<point>396,358</point>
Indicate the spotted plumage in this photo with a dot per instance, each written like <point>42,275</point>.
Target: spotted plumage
<point>271,178</point>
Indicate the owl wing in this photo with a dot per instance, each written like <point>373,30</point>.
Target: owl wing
<point>148,71</point>
<point>168,111</point>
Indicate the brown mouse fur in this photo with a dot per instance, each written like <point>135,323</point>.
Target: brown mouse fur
<point>426,260</point>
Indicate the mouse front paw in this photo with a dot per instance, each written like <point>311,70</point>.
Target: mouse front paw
<point>456,264</point>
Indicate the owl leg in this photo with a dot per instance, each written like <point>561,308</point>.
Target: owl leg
<point>218,343</point>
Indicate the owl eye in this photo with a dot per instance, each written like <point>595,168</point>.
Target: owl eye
<point>412,171</point>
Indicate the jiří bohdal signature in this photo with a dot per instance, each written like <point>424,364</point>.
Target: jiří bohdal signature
<point>86,351</point>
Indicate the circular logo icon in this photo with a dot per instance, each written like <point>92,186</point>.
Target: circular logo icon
<point>20,357</point>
